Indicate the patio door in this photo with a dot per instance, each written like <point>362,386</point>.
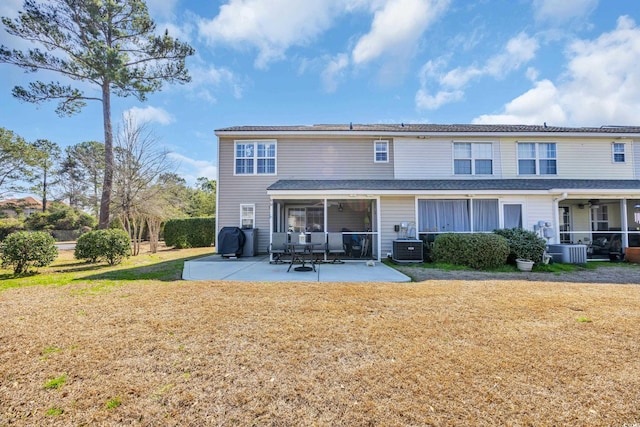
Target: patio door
<point>305,218</point>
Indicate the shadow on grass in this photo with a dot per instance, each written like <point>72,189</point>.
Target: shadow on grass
<point>166,271</point>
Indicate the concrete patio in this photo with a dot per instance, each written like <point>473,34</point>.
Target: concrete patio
<point>258,269</point>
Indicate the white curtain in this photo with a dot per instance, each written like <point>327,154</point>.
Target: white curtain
<point>443,216</point>
<point>512,216</point>
<point>485,215</point>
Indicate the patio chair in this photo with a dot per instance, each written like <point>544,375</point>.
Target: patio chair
<point>278,248</point>
<point>319,241</point>
<point>335,247</point>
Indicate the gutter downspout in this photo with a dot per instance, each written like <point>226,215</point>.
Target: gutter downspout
<point>556,215</point>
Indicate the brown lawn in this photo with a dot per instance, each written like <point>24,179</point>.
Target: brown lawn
<point>226,353</point>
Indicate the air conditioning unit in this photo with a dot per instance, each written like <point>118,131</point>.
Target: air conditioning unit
<point>407,251</point>
<point>568,254</point>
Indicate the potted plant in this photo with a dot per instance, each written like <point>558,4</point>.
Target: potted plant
<point>524,264</point>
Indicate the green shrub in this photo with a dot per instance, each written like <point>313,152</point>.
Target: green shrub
<point>8,226</point>
<point>110,245</point>
<point>523,244</point>
<point>481,251</point>
<point>190,232</point>
<point>23,250</point>
<point>60,217</point>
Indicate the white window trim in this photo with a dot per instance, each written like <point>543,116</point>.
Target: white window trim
<point>255,155</point>
<point>386,151</point>
<point>613,152</point>
<point>537,158</point>
<point>242,217</point>
<point>472,158</point>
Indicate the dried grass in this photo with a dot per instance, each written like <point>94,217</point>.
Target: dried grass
<point>225,353</point>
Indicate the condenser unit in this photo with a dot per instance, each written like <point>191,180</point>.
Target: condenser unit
<point>568,254</point>
<point>407,251</point>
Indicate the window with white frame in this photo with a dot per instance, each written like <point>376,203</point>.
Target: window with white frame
<point>255,157</point>
<point>247,215</point>
<point>537,158</point>
<point>381,151</point>
<point>618,152</point>
<point>472,158</point>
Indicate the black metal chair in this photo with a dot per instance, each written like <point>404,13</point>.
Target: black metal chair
<point>335,247</point>
<point>278,248</point>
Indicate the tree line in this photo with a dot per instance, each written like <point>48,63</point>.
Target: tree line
<point>146,189</point>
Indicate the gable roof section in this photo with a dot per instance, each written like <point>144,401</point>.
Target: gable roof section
<point>421,129</point>
<point>297,185</point>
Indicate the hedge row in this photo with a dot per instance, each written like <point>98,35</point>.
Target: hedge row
<point>476,250</point>
<point>190,232</point>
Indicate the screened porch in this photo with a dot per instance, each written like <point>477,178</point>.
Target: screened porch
<point>355,219</point>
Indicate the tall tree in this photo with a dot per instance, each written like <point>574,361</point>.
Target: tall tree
<point>109,44</point>
<point>16,158</point>
<point>203,198</point>
<point>72,180</point>
<point>90,158</point>
<point>47,157</point>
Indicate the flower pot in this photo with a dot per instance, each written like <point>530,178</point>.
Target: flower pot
<point>524,264</point>
<point>632,255</point>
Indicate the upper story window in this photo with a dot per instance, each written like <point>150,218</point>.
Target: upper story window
<point>381,151</point>
<point>618,152</point>
<point>255,157</point>
<point>247,215</point>
<point>537,158</point>
<point>472,158</point>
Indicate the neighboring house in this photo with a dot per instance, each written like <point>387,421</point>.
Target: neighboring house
<point>582,185</point>
<point>16,207</point>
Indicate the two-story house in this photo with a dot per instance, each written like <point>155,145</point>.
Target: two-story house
<point>376,182</point>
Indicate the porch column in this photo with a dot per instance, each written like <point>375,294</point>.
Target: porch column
<point>624,221</point>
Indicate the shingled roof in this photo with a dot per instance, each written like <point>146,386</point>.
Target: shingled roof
<point>430,128</point>
<point>453,184</point>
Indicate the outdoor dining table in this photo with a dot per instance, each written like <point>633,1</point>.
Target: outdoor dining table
<point>302,253</point>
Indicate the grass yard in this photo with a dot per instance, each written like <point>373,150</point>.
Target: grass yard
<point>135,345</point>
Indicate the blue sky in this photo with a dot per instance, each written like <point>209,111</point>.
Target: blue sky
<point>293,62</point>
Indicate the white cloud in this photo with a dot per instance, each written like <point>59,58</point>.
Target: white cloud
<point>396,27</point>
<point>334,71</point>
<point>150,114</point>
<point>204,77</point>
<point>562,11</point>
<point>271,26</point>
<point>518,51</point>
<point>536,106</point>
<point>191,169</point>
<point>425,101</point>
<point>601,85</point>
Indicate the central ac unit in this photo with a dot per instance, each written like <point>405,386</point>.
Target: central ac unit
<point>568,254</point>
<point>407,251</point>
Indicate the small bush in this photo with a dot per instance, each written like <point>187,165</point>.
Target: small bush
<point>480,251</point>
<point>190,232</point>
<point>523,244</point>
<point>8,226</point>
<point>23,250</point>
<point>110,245</point>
